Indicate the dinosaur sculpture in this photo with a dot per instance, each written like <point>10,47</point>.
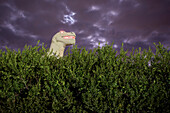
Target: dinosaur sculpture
<point>59,41</point>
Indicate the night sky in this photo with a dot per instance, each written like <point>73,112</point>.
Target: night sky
<point>136,23</point>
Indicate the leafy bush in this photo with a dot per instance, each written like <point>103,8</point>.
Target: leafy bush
<point>97,81</point>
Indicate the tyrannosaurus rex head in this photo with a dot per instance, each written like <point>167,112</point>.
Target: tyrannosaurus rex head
<point>68,38</point>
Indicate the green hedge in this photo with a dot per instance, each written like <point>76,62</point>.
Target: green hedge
<point>85,82</point>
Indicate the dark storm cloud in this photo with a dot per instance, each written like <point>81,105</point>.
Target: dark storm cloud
<point>143,19</point>
<point>12,33</point>
<point>26,21</point>
<point>159,37</point>
<point>43,15</point>
<point>12,41</point>
<point>96,18</point>
<point>146,16</point>
<point>133,22</point>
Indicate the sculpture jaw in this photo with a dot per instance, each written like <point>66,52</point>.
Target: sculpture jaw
<point>70,42</point>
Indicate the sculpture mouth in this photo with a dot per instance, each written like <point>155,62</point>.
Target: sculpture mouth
<point>69,37</point>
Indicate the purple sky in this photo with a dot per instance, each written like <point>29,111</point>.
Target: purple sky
<point>136,23</point>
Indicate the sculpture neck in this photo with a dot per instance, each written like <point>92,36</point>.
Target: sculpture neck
<point>58,48</point>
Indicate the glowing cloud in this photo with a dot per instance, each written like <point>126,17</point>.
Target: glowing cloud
<point>94,8</point>
<point>68,19</point>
